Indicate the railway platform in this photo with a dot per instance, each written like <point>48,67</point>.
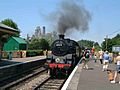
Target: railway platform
<point>92,79</point>
<point>5,62</point>
<point>28,59</point>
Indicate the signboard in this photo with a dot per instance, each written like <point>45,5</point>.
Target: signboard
<point>116,48</point>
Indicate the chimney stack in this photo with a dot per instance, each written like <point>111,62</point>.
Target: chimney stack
<point>61,36</point>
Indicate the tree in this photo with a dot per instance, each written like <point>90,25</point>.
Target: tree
<point>89,44</point>
<point>86,43</point>
<point>34,44</point>
<point>44,44</point>
<point>110,43</point>
<point>38,44</point>
<point>10,23</point>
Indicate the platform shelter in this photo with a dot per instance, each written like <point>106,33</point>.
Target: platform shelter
<point>5,33</point>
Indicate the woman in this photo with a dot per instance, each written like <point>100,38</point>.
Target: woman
<point>101,56</point>
<point>85,58</point>
<point>117,72</point>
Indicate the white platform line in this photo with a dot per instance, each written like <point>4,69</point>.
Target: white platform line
<point>70,77</point>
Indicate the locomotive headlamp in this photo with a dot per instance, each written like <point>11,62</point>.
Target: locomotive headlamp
<point>57,60</point>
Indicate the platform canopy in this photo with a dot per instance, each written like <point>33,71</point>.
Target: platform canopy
<point>7,30</point>
<point>5,33</point>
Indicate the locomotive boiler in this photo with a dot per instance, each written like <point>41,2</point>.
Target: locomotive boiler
<point>66,54</point>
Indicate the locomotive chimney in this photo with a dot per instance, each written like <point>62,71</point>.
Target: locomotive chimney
<point>61,36</point>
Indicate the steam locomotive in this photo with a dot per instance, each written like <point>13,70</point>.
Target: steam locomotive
<point>66,53</point>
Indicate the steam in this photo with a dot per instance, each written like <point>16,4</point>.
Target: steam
<point>72,16</point>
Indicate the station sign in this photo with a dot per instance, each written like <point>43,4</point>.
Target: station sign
<point>116,48</point>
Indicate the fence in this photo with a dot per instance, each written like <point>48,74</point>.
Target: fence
<point>22,54</point>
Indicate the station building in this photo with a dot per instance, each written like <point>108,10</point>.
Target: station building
<point>15,44</point>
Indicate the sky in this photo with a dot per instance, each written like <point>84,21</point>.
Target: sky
<point>28,14</point>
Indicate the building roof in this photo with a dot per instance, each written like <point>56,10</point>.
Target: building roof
<point>19,40</point>
<point>7,27</point>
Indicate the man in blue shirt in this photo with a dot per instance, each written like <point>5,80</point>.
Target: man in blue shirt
<point>106,59</point>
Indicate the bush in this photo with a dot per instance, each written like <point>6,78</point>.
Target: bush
<point>31,53</point>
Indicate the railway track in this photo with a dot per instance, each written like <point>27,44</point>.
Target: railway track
<point>27,82</point>
<point>50,84</point>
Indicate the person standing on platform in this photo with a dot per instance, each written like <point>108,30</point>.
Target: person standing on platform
<point>85,58</point>
<point>117,72</point>
<point>10,56</point>
<point>46,53</point>
<point>101,56</point>
<point>106,59</point>
<point>95,58</point>
<point>92,52</point>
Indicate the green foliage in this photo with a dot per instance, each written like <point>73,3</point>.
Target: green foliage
<point>38,44</point>
<point>116,39</point>
<point>89,44</point>
<point>31,53</point>
<point>50,40</point>
<point>44,44</point>
<point>86,43</point>
<point>34,44</point>
<point>10,23</point>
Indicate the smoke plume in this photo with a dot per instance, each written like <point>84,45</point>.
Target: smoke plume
<point>72,16</point>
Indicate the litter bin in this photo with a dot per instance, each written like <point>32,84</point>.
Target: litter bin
<point>10,56</point>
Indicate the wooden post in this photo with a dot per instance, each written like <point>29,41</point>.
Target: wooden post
<point>106,40</point>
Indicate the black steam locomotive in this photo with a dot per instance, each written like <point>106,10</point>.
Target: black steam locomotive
<point>66,53</point>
